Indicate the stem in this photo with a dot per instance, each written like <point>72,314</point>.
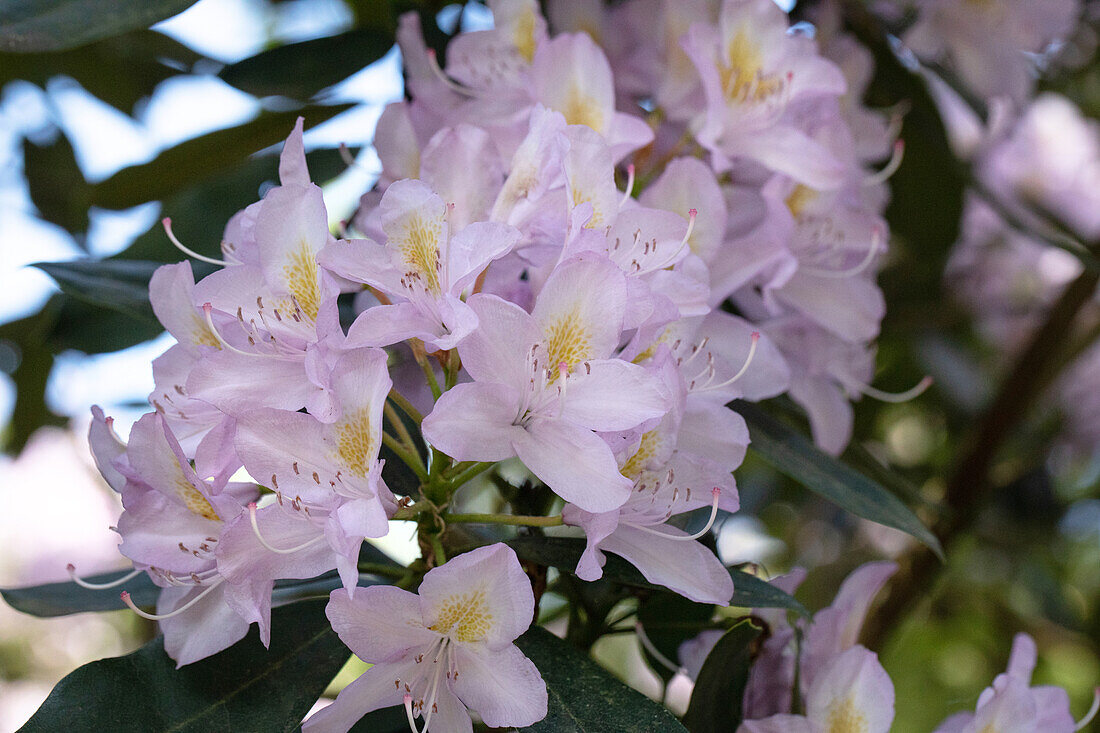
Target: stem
<point>969,483</point>
<point>399,426</point>
<point>406,407</point>
<point>512,519</point>
<point>437,549</point>
<point>468,472</point>
<point>411,458</point>
<point>451,369</point>
<point>386,571</point>
<point>425,366</point>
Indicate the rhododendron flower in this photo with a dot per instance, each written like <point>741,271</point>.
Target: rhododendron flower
<point>442,651</point>
<point>543,382</point>
<point>853,693</point>
<point>422,263</point>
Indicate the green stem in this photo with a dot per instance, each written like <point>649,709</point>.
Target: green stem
<point>467,472</point>
<point>512,519</point>
<point>453,367</point>
<point>406,406</point>
<point>426,367</point>
<point>437,549</point>
<point>386,571</point>
<point>411,458</point>
<point>398,425</point>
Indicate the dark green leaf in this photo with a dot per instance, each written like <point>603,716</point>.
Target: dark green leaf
<point>61,599</point>
<point>121,285</point>
<point>669,620</point>
<point>54,25</point>
<point>563,553</point>
<point>715,705</point>
<point>750,591</point>
<point>204,157</point>
<point>300,70</point>
<point>244,688</point>
<point>386,720</point>
<point>584,697</point>
<point>119,71</point>
<point>26,339</point>
<point>795,456</point>
<point>56,185</point>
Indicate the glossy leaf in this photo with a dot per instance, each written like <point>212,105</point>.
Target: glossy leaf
<point>245,687</point>
<point>792,454</point>
<point>583,696</point>
<point>121,285</point>
<point>56,185</point>
<point>201,158</point>
<point>715,705</point>
<point>54,25</point>
<point>300,70</point>
<point>563,553</point>
<point>669,620</point>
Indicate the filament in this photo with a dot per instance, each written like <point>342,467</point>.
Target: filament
<point>161,617</point>
<point>166,222</point>
<point>409,713</point>
<point>260,537</point>
<point>629,185</point>
<point>905,396</point>
<point>716,493</point>
<point>740,372</point>
<point>653,651</point>
<point>868,258</point>
<point>1092,711</point>
<point>890,168</point>
<point>100,586</point>
<point>450,83</point>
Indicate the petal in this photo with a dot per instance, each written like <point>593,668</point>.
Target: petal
<point>206,628</point>
<point>481,597</point>
<point>106,448</point>
<point>581,309</point>
<point>472,249</point>
<point>597,527</point>
<point>780,724</point>
<point>855,689</point>
<point>380,624</point>
<point>462,165</point>
<point>235,383</point>
<point>373,689</point>
<point>292,161</point>
<point>496,351</point>
<point>852,308</point>
<point>504,686</point>
<point>611,394</point>
<point>686,567</point>
<point>575,463</point>
<point>474,422</point>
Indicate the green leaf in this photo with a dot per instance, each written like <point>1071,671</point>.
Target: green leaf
<point>750,591</point>
<point>202,158</point>
<point>715,705</point>
<point>300,70</point>
<point>583,696</point>
<point>56,185</point>
<point>54,25</point>
<point>564,553</point>
<point>387,720</point>
<point>244,688</point>
<point>669,620</point>
<point>121,285</point>
<point>119,71</point>
<point>62,599</point>
<point>792,454</point>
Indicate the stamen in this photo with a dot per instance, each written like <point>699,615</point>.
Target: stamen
<point>905,396</point>
<point>692,213</point>
<point>629,185</point>
<point>161,617</point>
<point>256,531</point>
<point>99,586</point>
<point>347,157</point>
<point>740,372</point>
<point>166,222</point>
<point>408,699</point>
<point>1091,713</point>
<point>716,493</point>
<point>890,168</point>
<point>868,258</point>
<point>653,651</point>
<point>450,83</point>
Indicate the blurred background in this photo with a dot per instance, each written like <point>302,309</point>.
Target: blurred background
<point>100,141</point>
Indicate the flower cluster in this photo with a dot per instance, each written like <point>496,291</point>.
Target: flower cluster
<point>576,256</point>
